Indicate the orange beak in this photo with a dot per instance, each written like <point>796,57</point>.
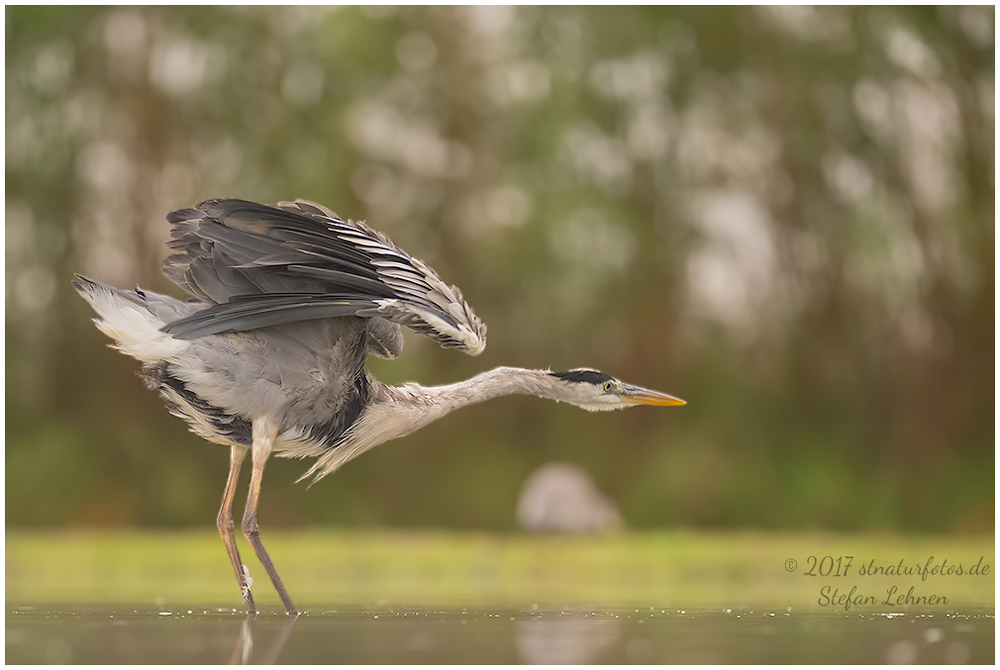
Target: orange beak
<point>637,395</point>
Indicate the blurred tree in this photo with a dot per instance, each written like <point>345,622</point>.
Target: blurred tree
<point>783,214</point>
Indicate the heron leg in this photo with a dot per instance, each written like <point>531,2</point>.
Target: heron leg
<point>226,526</point>
<point>264,432</point>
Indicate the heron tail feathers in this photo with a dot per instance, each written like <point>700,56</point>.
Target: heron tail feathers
<point>129,318</point>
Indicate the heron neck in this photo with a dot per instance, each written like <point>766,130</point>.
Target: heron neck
<point>488,385</point>
<point>396,411</point>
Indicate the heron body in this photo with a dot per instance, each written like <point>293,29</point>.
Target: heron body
<point>268,356</point>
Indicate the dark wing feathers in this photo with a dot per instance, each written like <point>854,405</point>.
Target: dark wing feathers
<point>259,266</point>
<point>251,312</point>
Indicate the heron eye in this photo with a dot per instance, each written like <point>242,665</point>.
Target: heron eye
<point>609,387</point>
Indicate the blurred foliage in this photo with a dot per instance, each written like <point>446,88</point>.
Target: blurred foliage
<point>783,215</point>
<point>676,569</point>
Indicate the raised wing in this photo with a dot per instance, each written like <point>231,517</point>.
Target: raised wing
<point>258,266</point>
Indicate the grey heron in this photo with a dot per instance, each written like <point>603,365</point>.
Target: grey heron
<point>268,356</point>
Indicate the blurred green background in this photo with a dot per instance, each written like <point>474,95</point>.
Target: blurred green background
<point>783,215</point>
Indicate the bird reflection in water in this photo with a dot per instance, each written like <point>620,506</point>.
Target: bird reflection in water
<point>243,651</point>
<point>540,640</point>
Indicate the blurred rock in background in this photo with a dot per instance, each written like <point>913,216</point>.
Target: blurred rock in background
<point>560,498</point>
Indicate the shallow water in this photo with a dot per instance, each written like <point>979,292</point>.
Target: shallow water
<point>105,634</point>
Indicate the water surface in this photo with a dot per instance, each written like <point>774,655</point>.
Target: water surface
<point>105,634</point>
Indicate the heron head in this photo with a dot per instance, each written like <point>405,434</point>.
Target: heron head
<point>596,392</point>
